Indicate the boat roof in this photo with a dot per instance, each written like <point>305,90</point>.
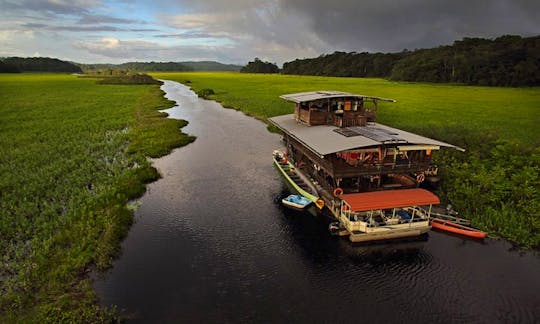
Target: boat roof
<point>318,95</point>
<point>327,139</point>
<point>387,199</point>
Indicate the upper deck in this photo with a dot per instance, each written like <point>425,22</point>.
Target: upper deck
<point>341,109</point>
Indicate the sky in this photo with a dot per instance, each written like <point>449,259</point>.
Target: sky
<point>237,31</point>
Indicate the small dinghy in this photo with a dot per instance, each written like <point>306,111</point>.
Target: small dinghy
<point>449,226</point>
<point>296,201</point>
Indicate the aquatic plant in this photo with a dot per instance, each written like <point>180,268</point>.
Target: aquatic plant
<point>72,154</point>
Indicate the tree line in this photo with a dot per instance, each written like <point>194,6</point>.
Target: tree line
<point>45,64</point>
<point>503,61</point>
<point>36,64</point>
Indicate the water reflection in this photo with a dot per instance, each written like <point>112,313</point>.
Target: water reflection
<point>212,243</point>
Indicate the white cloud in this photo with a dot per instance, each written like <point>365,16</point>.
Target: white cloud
<point>110,42</point>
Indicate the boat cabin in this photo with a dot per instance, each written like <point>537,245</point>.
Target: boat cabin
<point>334,138</point>
<point>386,214</point>
<point>334,108</point>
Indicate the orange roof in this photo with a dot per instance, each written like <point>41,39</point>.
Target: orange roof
<point>389,199</point>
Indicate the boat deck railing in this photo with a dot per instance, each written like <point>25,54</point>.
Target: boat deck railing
<point>344,169</point>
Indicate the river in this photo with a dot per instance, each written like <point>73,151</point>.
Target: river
<point>212,244</point>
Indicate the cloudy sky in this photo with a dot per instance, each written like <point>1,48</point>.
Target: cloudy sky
<point>236,31</point>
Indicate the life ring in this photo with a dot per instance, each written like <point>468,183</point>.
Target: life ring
<point>338,192</point>
<point>420,177</point>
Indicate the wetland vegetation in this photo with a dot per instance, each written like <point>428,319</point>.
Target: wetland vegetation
<point>73,153</point>
<point>495,182</point>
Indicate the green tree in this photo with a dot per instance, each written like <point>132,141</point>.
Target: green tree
<point>258,66</point>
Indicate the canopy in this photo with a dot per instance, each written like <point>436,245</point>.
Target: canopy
<point>389,199</point>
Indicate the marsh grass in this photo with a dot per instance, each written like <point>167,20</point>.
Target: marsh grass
<point>72,154</point>
<point>510,113</point>
<point>495,182</point>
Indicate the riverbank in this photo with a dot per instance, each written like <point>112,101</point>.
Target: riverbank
<point>494,183</point>
<point>73,154</point>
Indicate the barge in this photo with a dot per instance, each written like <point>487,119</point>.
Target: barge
<point>334,142</point>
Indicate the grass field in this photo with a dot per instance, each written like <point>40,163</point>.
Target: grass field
<point>72,154</point>
<point>512,113</point>
<point>495,182</point>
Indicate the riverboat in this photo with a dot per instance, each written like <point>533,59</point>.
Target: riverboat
<point>386,214</point>
<point>333,139</point>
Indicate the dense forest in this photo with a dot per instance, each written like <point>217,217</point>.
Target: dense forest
<point>8,68</point>
<point>345,65</point>
<point>37,64</point>
<point>504,61</point>
<point>258,66</point>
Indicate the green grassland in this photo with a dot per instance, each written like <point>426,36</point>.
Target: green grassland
<point>72,155</point>
<point>495,182</point>
<point>512,113</point>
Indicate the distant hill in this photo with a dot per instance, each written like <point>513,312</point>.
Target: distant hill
<point>211,66</point>
<point>503,61</point>
<point>164,66</point>
<point>38,64</point>
<point>138,66</point>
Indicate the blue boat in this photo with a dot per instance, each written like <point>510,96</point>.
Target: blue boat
<point>296,201</point>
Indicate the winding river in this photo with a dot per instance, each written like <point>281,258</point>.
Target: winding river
<point>212,244</point>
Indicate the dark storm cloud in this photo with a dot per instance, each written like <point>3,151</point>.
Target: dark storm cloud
<point>383,25</point>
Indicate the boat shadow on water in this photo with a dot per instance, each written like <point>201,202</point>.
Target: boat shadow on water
<point>386,253</point>
<point>312,235</point>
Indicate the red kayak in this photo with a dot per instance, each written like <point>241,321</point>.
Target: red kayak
<point>448,226</point>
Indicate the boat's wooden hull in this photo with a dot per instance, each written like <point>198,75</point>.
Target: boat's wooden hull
<point>450,227</point>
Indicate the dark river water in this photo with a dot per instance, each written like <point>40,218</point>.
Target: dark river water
<point>212,244</point>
